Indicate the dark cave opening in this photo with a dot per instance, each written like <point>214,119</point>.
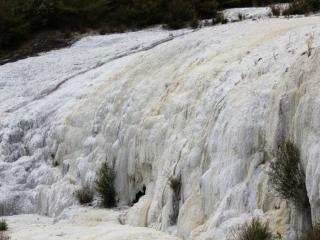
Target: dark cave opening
<point>139,194</point>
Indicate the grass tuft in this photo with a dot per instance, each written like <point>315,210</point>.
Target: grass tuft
<point>253,231</point>
<point>85,195</point>
<point>3,225</point>
<point>287,175</point>
<point>105,186</point>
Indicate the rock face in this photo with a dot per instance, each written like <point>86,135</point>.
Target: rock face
<point>207,107</point>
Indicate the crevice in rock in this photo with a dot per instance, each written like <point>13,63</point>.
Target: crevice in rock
<point>175,185</point>
<point>139,194</point>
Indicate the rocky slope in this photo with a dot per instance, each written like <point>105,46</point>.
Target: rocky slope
<point>208,107</point>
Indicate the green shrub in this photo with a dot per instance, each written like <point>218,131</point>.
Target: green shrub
<point>287,175</point>
<point>302,7</point>
<point>85,195</point>
<point>41,13</point>
<point>194,23</point>
<point>220,18</point>
<point>312,234</point>
<point>105,186</point>
<point>241,17</point>
<point>3,225</point>
<point>140,13</point>
<point>180,12</point>
<point>13,22</point>
<point>253,231</point>
<point>275,11</point>
<point>206,8</point>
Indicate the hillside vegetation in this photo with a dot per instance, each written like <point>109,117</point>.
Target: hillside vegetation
<point>21,19</point>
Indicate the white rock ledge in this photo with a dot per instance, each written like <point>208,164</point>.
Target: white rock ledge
<point>79,224</point>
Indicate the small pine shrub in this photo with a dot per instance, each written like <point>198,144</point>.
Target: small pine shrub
<point>241,17</point>
<point>253,231</point>
<point>287,175</point>
<point>206,8</point>
<point>293,10</point>
<point>194,23</point>
<point>220,18</point>
<point>85,195</point>
<point>312,234</point>
<point>206,23</point>
<point>275,11</point>
<point>180,12</point>
<point>3,225</point>
<point>105,186</point>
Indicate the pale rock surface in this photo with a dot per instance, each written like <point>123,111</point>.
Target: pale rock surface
<point>238,14</point>
<point>138,215</point>
<point>191,216</point>
<point>83,224</point>
<point>209,106</point>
